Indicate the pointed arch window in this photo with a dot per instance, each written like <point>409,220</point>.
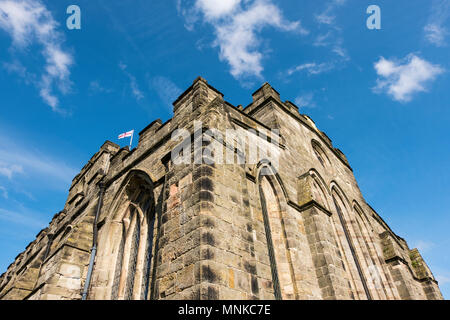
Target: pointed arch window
<point>264,188</point>
<point>132,272</point>
<point>273,210</point>
<point>349,242</point>
<point>318,189</point>
<point>320,154</point>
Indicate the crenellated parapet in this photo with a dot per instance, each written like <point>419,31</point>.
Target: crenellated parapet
<point>193,212</point>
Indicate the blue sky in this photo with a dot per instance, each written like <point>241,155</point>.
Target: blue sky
<point>381,95</point>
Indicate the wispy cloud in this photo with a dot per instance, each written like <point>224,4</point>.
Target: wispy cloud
<point>9,169</point>
<point>21,162</point>
<point>237,24</point>
<point>333,36</point>
<point>311,68</point>
<point>443,278</point>
<point>24,218</point>
<point>327,16</point>
<point>316,68</point>
<point>305,100</point>
<point>329,37</point>
<point>25,168</point>
<point>4,192</point>
<point>96,87</point>
<point>18,68</point>
<point>340,51</point>
<point>423,246</point>
<point>29,22</point>
<point>137,93</point>
<point>324,18</point>
<point>402,79</point>
<point>323,40</point>
<point>167,91</point>
<point>435,30</point>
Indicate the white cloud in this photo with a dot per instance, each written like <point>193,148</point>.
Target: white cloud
<point>237,25</point>
<point>18,161</point>
<point>312,68</point>
<point>341,52</point>
<point>435,32</point>
<point>8,170</point>
<point>24,218</point>
<point>96,87</point>
<point>4,192</point>
<point>443,279</point>
<point>327,17</point>
<point>167,91</point>
<point>136,92</point>
<point>322,40</point>
<point>18,68</point>
<point>305,100</point>
<point>402,79</point>
<point>217,8</point>
<point>423,246</point>
<point>29,22</point>
<point>332,38</point>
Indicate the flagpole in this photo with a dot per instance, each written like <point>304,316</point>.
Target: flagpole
<point>131,140</point>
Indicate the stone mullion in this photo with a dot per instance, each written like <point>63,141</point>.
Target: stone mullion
<point>137,288</point>
<point>126,257</point>
<point>150,261</point>
<point>118,242</point>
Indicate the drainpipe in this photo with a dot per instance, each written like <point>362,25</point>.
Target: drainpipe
<point>94,243</point>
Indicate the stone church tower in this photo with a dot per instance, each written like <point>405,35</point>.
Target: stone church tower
<point>194,213</point>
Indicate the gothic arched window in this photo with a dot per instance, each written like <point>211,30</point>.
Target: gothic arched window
<point>318,189</point>
<point>279,254</point>
<point>347,245</point>
<point>132,270</point>
<point>320,154</point>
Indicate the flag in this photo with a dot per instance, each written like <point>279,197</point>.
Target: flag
<point>126,134</point>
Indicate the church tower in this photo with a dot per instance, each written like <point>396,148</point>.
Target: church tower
<point>220,202</point>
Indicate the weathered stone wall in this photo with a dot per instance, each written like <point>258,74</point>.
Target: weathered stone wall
<point>294,226</point>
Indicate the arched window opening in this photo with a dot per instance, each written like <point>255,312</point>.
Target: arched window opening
<point>351,247</point>
<point>320,154</point>
<point>132,269</point>
<point>280,260</point>
<point>273,263</point>
<point>318,190</point>
<point>376,271</point>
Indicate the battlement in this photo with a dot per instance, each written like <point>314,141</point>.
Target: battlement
<point>209,230</point>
